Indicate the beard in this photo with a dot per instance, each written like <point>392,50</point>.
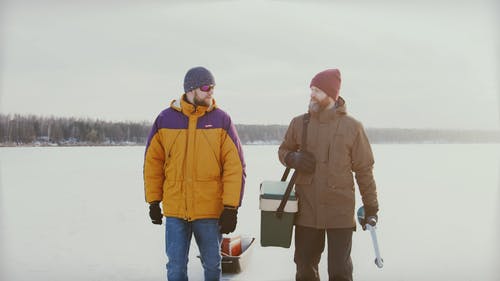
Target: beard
<point>316,106</point>
<point>202,102</point>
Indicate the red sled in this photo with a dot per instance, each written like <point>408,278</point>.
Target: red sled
<point>237,263</point>
<point>236,252</point>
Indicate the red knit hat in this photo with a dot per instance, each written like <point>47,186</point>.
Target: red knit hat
<point>328,81</point>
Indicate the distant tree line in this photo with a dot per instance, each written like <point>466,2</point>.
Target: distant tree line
<point>273,134</point>
<point>34,130</point>
<point>393,135</point>
<point>20,130</point>
<point>260,134</point>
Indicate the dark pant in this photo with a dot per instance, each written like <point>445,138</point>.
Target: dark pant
<point>310,243</point>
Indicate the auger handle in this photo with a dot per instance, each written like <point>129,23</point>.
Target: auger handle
<point>378,259</point>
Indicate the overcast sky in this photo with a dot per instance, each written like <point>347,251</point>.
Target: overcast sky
<point>404,64</point>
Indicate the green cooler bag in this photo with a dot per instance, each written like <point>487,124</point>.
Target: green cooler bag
<point>275,230</point>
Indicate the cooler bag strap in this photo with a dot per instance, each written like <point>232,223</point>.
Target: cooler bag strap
<point>304,131</point>
<point>285,174</point>
<point>279,211</point>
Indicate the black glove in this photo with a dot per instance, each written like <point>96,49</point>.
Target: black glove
<point>371,216</point>
<point>155,212</point>
<point>228,219</point>
<point>302,161</point>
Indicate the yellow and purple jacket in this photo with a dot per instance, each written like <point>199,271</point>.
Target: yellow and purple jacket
<point>194,162</point>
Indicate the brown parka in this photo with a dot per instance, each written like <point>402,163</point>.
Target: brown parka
<point>341,148</point>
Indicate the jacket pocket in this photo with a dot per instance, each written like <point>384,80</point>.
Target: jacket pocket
<point>207,157</point>
<point>173,197</point>
<point>339,154</point>
<point>207,198</point>
<point>341,198</point>
<point>207,171</point>
<point>341,181</point>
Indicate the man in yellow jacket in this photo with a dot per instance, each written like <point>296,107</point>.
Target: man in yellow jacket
<point>194,166</point>
<point>333,148</point>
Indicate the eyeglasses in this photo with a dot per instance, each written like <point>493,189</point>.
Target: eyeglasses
<point>206,88</point>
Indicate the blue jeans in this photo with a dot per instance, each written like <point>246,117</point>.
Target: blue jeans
<point>178,233</point>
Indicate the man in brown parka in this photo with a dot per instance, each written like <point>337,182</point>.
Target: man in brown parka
<point>336,147</point>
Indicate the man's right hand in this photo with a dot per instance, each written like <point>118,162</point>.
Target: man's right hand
<point>155,212</point>
<point>371,216</point>
<point>302,161</point>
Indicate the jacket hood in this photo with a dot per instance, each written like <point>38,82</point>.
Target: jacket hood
<point>188,109</point>
<point>338,109</point>
<point>340,105</point>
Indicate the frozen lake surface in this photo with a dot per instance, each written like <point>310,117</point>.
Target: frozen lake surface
<point>78,213</point>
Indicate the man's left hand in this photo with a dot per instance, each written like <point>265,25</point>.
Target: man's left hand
<point>371,217</point>
<point>228,220</point>
<point>371,220</point>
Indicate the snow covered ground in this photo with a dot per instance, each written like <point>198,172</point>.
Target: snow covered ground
<point>78,213</point>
